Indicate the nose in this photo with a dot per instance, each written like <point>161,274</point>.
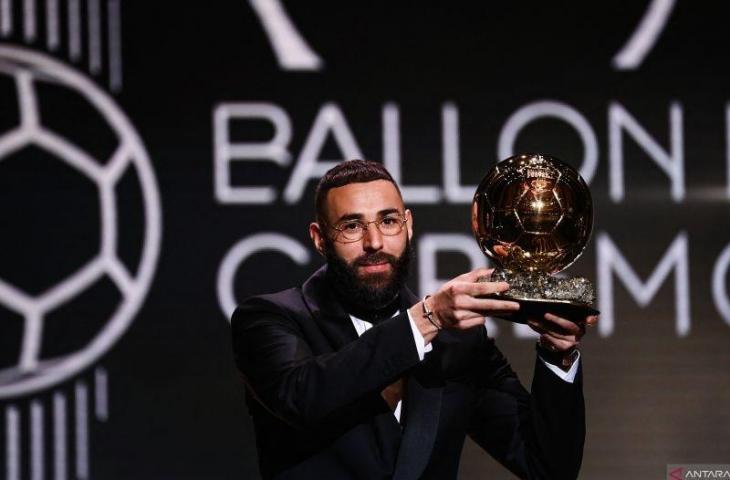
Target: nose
<point>372,240</point>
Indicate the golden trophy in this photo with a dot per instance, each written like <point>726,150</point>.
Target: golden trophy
<point>533,215</point>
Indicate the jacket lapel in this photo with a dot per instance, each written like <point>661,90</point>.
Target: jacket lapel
<point>334,322</point>
<point>422,411</point>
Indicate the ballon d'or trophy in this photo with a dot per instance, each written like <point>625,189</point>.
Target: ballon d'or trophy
<point>533,215</point>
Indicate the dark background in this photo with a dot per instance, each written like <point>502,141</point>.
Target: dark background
<point>176,405</point>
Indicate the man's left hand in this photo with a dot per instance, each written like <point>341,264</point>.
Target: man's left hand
<point>559,335</point>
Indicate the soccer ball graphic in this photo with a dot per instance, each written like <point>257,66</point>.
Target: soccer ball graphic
<point>532,213</point>
<point>38,365</point>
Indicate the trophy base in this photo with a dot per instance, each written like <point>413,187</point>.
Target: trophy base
<point>538,307</point>
<point>538,293</point>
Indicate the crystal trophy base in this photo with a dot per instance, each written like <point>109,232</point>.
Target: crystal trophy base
<point>537,293</point>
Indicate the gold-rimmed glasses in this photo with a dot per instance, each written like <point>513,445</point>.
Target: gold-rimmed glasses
<point>354,230</point>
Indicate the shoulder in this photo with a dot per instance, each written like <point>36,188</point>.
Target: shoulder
<point>287,311</point>
<point>271,301</point>
<point>279,305</point>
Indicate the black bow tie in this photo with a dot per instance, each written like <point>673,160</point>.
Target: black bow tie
<point>374,316</point>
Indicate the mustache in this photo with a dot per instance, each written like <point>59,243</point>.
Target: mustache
<point>375,258</point>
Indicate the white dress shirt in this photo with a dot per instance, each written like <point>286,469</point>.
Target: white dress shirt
<point>361,326</point>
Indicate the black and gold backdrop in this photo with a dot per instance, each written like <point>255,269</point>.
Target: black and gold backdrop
<point>157,163</point>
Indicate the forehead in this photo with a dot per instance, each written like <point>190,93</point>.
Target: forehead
<point>365,198</point>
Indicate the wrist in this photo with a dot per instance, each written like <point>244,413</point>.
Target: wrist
<point>561,359</point>
<point>427,327</point>
<point>428,314</point>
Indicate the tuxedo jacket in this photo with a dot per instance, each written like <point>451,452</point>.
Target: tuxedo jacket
<point>313,389</point>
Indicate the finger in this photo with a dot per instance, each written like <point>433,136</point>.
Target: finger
<point>559,330</point>
<point>556,344</point>
<point>465,315</point>
<point>500,313</point>
<point>474,275</point>
<point>545,330</point>
<point>548,326</point>
<point>486,305</point>
<point>536,326</point>
<point>470,323</point>
<point>486,288</point>
<point>566,325</point>
<point>589,320</point>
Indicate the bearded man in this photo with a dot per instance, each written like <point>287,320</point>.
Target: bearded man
<point>351,376</point>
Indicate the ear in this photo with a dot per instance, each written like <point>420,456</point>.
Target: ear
<point>409,223</point>
<point>317,236</point>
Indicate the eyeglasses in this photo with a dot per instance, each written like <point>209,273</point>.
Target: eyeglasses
<point>354,230</point>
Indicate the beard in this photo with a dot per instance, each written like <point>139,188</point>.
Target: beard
<point>373,294</point>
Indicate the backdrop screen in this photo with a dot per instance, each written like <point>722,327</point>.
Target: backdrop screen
<point>157,166</point>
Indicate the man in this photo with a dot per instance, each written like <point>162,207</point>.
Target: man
<point>352,376</point>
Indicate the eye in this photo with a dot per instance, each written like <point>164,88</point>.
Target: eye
<point>389,221</point>
<point>351,226</point>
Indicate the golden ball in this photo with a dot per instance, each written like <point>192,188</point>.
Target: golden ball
<point>532,213</point>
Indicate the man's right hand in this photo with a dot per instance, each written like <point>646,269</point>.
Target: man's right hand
<point>455,304</point>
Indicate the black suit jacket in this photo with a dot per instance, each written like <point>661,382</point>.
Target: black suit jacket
<point>313,390</point>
